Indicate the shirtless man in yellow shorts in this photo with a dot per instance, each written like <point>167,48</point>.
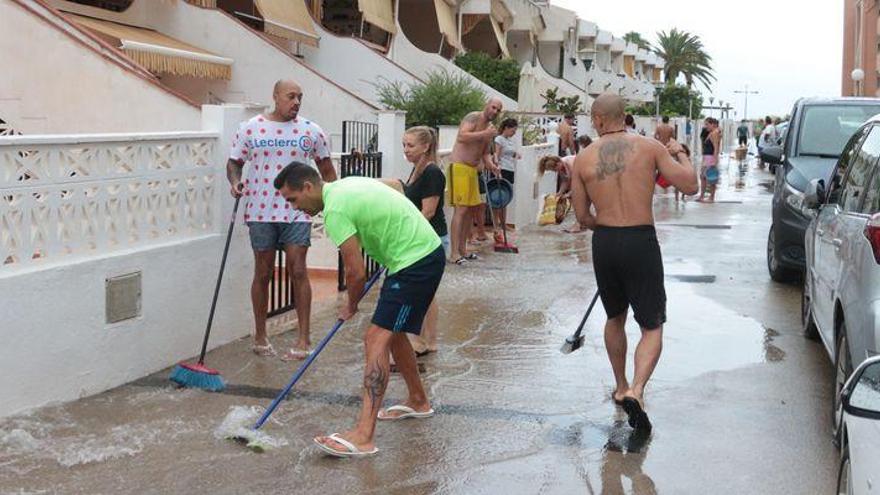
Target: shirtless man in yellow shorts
<point>469,154</point>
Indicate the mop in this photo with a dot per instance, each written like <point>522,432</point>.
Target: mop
<point>233,427</point>
<point>198,375</point>
<point>574,342</point>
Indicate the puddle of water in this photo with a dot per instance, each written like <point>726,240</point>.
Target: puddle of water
<point>239,422</point>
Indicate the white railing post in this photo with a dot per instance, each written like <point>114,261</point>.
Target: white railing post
<point>392,125</point>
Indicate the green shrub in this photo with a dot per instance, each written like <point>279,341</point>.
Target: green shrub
<point>443,99</point>
<point>553,103</point>
<point>500,74</point>
<point>674,102</point>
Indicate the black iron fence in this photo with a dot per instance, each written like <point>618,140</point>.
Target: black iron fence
<point>362,137</point>
<point>280,287</point>
<point>359,165</point>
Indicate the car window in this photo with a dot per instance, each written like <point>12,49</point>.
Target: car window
<point>846,158</point>
<point>860,171</point>
<point>825,129</point>
<point>872,195</point>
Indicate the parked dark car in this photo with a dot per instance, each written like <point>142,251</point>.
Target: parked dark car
<point>818,130</point>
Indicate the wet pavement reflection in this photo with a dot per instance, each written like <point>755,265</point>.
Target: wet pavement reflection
<point>739,399</point>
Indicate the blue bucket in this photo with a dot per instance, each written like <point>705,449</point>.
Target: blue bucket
<point>499,192</point>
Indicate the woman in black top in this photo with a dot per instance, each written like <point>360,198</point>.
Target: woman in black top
<point>425,188</point>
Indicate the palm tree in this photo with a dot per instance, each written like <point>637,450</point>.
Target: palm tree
<point>684,55</point>
<point>637,39</point>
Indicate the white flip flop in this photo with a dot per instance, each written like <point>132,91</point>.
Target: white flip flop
<point>352,451</point>
<point>407,411</point>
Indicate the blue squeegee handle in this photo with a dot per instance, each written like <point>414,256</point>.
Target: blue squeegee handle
<point>312,356</point>
<point>219,280</point>
<point>577,334</point>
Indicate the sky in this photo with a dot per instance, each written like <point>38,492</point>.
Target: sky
<point>784,49</point>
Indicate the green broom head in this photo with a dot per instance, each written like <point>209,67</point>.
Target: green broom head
<point>197,376</point>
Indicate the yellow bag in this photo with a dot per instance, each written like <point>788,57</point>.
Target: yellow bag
<point>548,213</point>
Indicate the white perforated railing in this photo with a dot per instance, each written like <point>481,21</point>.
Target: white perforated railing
<point>67,196</point>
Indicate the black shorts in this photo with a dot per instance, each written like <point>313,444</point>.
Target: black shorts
<point>743,140</point>
<point>629,272</point>
<point>507,175</point>
<point>406,295</point>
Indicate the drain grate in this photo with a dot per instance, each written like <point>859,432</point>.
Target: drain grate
<point>694,279</point>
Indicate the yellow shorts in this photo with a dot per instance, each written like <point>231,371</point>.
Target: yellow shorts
<point>464,186</point>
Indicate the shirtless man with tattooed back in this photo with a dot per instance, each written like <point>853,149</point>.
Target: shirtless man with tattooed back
<point>616,176</point>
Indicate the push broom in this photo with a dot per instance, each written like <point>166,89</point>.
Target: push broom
<point>574,342</point>
<point>250,436</point>
<point>198,375</point>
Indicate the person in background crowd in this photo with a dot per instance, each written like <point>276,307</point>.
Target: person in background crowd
<point>566,136</point>
<point>506,156</point>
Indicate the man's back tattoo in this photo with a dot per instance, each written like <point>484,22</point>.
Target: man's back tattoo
<point>612,157</point>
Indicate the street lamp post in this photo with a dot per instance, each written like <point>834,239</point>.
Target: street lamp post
<point>747,93</point>
<point>858,75</point>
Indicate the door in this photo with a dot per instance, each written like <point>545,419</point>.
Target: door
<point>835,221</point>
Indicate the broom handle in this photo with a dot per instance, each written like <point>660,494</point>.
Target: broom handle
<point>577,334</point>
<point>219,279</point>
<point>312,356</point>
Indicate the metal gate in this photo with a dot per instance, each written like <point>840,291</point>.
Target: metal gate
<point>361,137</point>
<point>280,287</point>
<point>359,165</point>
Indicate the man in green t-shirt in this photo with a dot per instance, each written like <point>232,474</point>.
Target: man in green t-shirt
<point>365,213</point>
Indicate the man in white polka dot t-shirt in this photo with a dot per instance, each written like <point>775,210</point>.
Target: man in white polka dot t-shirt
<point>269,142</point>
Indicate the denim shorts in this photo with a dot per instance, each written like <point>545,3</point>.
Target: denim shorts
<point>270,236</point>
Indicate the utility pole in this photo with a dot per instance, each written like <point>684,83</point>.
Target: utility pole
<point>747,93</point>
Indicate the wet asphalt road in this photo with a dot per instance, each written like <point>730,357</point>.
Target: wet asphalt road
<point>740,400</point>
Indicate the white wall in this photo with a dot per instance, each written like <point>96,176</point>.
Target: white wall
<point>54,308</point>
<point>59,348</point>
<point>55,84</point>
<point>354,65</point>
<point>529,187</point>
<point>420,63</point>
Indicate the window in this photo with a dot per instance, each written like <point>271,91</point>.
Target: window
<point>860,172</point>
<point>846,158</point>
<point>872,196</point>
<point>825,129</point>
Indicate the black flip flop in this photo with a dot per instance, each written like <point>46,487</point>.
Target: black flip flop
<point>616,402</point>
<point>638,419</point>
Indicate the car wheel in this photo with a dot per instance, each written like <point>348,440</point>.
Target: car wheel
<point>808,324</point>
<point>777,272</point>
<point>842,370</point>
<point>844,474</point>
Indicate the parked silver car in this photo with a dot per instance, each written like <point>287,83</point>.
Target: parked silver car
<point>841,296</point>
<point>859,471</point>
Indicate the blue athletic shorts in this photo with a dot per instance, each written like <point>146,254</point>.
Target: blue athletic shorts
<point>406,295</point>
<point>270,236</point>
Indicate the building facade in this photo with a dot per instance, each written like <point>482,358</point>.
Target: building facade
<point>860,21</point>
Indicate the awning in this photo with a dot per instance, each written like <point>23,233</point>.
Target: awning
<point>379,13</point>
<point>288,19</point>
<point>500,12</point>
<point>629,65</point>
<point>500,36</point>
<point>447,23</point>
<point>158,52</point>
